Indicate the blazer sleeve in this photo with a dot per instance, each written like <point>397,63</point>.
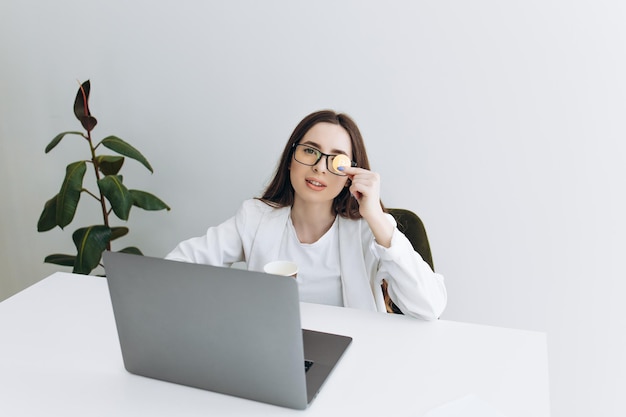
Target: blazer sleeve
<point>412,284</point>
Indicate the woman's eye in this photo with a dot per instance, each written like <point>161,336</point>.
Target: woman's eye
<point>310,151</point>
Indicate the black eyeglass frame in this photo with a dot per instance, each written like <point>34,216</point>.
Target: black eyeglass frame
<point>319,156</point>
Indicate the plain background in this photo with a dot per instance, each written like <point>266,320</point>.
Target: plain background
<point>502,124</point>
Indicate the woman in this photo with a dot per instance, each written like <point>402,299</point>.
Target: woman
<point>328,220</point>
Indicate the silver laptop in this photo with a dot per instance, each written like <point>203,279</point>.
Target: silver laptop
<point>226,330</point>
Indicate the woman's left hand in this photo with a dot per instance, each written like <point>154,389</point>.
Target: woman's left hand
<point>366,189</point>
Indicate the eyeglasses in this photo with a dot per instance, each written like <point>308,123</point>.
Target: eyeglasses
<point>308,155</point>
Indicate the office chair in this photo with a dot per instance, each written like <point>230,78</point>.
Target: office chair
<point>413,228</point>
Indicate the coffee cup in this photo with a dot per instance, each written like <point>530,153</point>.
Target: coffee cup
<point>285,268</point>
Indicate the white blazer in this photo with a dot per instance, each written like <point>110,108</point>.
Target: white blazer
<point>253,235</point>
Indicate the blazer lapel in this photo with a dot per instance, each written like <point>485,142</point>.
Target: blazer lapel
<point>357,292</point>
<point>265,246</point>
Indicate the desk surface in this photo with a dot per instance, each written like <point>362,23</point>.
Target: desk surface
<point>59,355</point>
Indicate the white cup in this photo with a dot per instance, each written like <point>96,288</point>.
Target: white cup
<point>286,268</point>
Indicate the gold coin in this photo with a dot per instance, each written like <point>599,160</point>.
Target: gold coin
<point>341,161</point>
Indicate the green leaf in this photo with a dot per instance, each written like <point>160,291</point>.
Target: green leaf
<point>118,232</point>
<point>48,219</point>
<point>68,197</point>
<point>118,195</point>
<point>132,250</point>
<point>110,164</point>
<point>60,259</point>
<point>81,107</point>
<point>58,138</point>
<point>118,145</point>
<point>81,103</point>
<point>147,201</point>
<point>90,243</point>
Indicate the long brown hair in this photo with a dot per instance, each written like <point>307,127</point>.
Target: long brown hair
<point>280,193</point>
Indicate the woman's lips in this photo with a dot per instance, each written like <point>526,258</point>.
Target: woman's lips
<point>315,184</point>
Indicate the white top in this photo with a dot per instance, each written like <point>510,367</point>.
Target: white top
<point>319,276</point>
<point>254,235</point>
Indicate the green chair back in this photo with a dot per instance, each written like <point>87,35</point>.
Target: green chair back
<point>413,228</point>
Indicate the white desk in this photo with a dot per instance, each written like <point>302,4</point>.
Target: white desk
<point>59,355</point>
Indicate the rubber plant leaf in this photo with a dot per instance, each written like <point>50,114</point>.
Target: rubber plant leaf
<point>68,197</point>
<point>118,145</point>
<point>132,250</point>
<point>90,243</point>
<point>148,201</point>
<point>118,232</point>
<point>118,195</point>
<point>48,219</point>
<point>58,138</point>
<point>60,259</point>
<point>81,107</point>
<point>110,164</point>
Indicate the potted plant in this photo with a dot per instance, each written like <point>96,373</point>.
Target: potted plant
<point>112,196</point>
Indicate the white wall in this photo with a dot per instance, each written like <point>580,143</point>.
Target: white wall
<point>501,123</point>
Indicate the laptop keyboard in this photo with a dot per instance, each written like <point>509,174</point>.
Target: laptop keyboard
<point>307,365</point>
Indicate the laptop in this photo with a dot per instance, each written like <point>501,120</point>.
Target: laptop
<point>226,330</point>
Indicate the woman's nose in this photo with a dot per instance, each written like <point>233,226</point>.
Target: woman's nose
<point>321,165</point>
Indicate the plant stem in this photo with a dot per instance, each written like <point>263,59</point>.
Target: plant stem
<point>105,214</point>
<point>90,193</point>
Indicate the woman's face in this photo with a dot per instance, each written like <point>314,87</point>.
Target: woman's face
<point>315,183</point>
